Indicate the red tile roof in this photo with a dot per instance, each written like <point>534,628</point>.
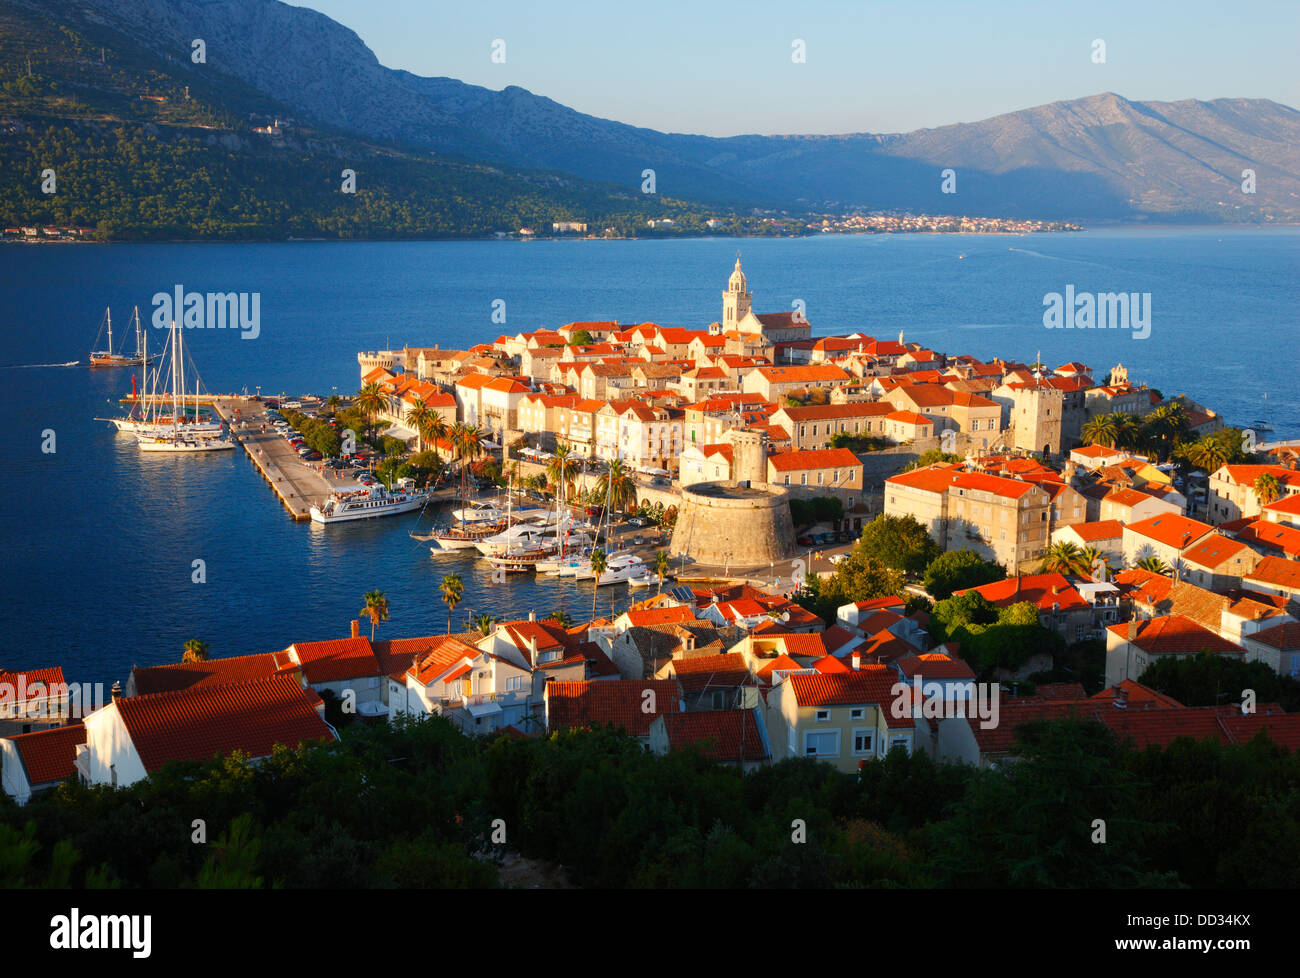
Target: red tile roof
<point>336,659</point>
<point>213,672</point>
<point>196,724</point>
<point>1045,590</point>
<point>1277,572</point>
<point>33,683</point>
<point>934,665</point>
<point>1174,634</point>
<point>1170,529</point>
<point>660,616</point>
<point>870,684</point>
<point>617,702</point>
<point>698,673</point>
<point>720,735</point>
<point>1098,530</point>
<point>824,458</point>
<point>49,755</point>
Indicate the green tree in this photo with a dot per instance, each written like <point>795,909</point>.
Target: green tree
<point>901,542</point>
<point>957,570</point>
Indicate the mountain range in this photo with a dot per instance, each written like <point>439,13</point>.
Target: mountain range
<point>1097,159</point>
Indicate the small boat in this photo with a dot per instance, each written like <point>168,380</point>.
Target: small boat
<point>644,579</point>
<point>525,558</point>
<point>478,512</point>
<point>1260,425</point>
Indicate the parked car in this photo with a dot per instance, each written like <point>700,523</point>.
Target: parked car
<point>804,541</point>
<point>638,521</point>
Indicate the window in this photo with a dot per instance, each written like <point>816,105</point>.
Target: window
<point>822,744</point>
<point>857,713</point>
<point>823,716</point>
<point>898,742</point>
<point>863,741</point>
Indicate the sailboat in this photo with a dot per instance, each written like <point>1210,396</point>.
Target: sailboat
<point>106,357</point>
<point>144,419</point>
<point>177,439</point>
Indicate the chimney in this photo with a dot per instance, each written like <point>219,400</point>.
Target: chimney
<point>1132,629</point>
<point>116,690</point>
<point>532,650</point>
<point>356,627</point>
<point>857,661</point>
<point>1121,698</point>
<point>532,616</point>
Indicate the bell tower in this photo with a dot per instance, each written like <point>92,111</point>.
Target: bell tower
<point>736,300</point>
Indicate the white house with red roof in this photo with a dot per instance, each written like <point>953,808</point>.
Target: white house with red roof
<point>1133,646</point>
<point>32,699</point>
<point>37,761</point>
<point>133,737</point>
<point>1232,493</point>
<point>1167,537</point>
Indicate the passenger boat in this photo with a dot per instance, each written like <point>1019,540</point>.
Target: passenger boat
<point>364,504</point>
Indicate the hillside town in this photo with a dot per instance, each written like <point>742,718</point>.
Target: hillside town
<point>1024,543</point>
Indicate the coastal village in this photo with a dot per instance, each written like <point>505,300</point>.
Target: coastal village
<point>1086,508</point>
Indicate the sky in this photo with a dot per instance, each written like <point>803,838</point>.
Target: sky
<point>723,69</point>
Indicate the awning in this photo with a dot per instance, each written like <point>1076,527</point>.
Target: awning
<point>483,709</point>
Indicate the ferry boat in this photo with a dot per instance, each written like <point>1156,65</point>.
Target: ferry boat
<point>363,504</point>
<point>107,358</point>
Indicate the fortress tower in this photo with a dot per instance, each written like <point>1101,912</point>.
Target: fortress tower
<point>748,457</point>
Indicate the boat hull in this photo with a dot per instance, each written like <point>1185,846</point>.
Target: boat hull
<point>347,516</point>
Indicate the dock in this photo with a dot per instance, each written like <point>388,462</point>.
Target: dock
<point>298,487</point>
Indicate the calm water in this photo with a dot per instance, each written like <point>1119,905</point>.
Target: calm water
<point>100,540</point>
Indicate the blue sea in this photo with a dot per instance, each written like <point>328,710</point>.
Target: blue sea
<point>100,541</point>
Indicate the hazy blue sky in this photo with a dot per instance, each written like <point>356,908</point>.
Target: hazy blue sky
<point>725,68</point>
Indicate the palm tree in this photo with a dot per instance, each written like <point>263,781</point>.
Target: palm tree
<point>599,564</point>
<point>562,617</point>
<point>376,609</point>
<point>420,415</point>
<point>1267,488</point>
<point>1154,565</point>
<point>1062,557</point>
<point>562,468</point>
<point>1099,430</point>
<point>1094,563</point>
<point>661,566</point>
<point>485,623</point>
<point>617,486</point>
<point>1210,453</point>
<point>334,402</point>
<point>370,402</point>
<point>436,429</point>
<point>196,650</point>
<point>452,589</point>
<point>1128,433</point>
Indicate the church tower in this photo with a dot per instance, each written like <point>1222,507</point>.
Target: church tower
<point>736,300</point>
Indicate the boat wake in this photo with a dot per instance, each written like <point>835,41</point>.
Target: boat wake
<point>34,366</point>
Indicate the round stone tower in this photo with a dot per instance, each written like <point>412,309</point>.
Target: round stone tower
<point>722,524</point>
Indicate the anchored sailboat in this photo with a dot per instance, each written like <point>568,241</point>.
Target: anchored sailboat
<point>178,438</point>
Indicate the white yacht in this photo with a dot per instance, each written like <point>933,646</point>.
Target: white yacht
<point>478,513</point>
<point>516,537</point>
<point>363,504</point>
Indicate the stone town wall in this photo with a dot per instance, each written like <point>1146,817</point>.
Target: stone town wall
<point>721,525</point>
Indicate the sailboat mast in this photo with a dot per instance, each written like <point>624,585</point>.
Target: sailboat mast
<point>176,377</point>
<point>109,313</point>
